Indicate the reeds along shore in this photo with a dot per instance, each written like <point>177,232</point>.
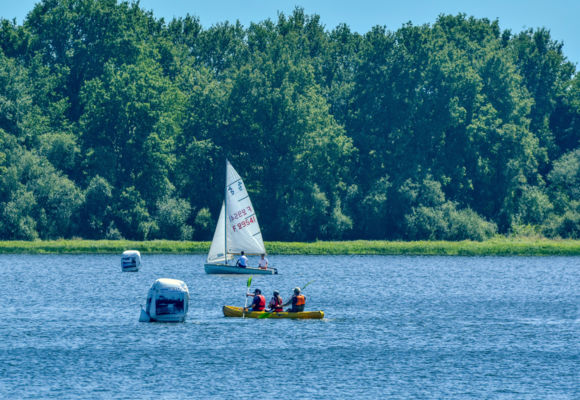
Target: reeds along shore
<point>494,247</point>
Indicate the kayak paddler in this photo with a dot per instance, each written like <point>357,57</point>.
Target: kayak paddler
<point>259,303</point>
<point>275,304</point>
<point>298,301</point>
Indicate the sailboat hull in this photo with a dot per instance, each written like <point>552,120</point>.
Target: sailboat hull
<point>230,311</point>
<point>232,269</point>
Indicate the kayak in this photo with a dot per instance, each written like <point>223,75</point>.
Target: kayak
<point>231,311</point>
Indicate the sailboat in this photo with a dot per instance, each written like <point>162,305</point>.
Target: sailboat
<point>237,230</point>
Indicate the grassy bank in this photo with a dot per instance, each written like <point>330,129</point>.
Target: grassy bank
<point>102,247</point>
<point>464,248</point>
<point>500,246</point>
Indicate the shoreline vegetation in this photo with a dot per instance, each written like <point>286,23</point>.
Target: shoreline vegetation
<point>115,124</point>
<point>492,247</point>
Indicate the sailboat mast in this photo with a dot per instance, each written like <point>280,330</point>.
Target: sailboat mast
<point>226,215</point>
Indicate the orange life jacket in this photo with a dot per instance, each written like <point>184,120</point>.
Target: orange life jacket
<point>300,300</point>
<point>261,304</point>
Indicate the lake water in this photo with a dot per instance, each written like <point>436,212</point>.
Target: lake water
<point>395,327</point>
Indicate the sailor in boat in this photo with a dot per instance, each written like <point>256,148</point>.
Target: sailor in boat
<point>263,263</point>
<point>242,261</point>
<point>259,303</point>
<point>298,301</point>
<point>275,304</point>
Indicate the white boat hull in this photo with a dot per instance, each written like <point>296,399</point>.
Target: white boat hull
<point>232,269</point>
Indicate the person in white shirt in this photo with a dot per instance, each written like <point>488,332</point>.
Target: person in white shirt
<point>263,263</point>
<point>242,261</point>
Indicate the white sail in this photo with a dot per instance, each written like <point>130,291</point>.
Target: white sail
<point>243,230</point>
<point>237,226</point>
<point>218,244</point>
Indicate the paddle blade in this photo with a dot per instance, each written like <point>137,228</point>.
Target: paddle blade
<point>306,285</point>
<point>249,281</point>
<point>265,315</point>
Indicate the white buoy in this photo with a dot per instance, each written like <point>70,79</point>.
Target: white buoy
<point>130,261</point>
<point>167,301</point>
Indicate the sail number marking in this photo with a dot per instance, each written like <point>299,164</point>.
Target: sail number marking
<point>243,213</point>
<point>244,224</point>
<point>231,187</point>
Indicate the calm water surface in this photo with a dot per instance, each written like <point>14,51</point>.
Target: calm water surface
<point>395,327</point>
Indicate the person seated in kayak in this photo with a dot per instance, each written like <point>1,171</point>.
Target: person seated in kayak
<point>263,263</point>
<point>298,301</point>
<point>275,304</point>
<point>259,303</point>
<point>242,261</point>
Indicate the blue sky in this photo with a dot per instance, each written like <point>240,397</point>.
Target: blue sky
<point>561,17</point>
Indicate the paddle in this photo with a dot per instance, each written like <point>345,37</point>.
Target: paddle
<point>268,314</point>
<point>247,291</point>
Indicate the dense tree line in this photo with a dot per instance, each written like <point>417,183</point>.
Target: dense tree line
<point>116,124</point>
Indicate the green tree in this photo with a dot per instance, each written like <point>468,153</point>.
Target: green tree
<point>564,181</point>
<point>545,73</point>
<point>35,199</point>
<point>565,120</point>
<point>129,128</point>
<point>172,217</point>
<point>131,216</point>
<point>77,38</point>
<point>299,155</point>
<point>96,213</point>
